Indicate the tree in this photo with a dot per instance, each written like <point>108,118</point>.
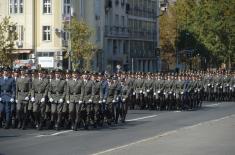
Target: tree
<point>168,34</point>
<point>8,36</point>
<point>204,26</point>
<point>81,47</point>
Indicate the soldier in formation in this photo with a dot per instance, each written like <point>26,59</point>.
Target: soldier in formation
<point>56,99</point>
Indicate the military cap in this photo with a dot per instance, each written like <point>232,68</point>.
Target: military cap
<point>68,71</point>
<point>57,71</point>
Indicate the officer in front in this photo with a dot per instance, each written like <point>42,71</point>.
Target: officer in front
<point>7,97</point>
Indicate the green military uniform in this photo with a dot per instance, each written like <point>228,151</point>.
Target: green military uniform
<point>38,97</point>
<point>56,95</point>
<point>22,100</point>
<point>73,96</point>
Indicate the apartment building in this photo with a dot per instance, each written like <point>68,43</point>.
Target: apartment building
<point>125,31</point>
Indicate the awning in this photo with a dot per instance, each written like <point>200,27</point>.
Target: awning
<point>21,51</point>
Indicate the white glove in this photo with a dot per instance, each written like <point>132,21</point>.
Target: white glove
<point>158,92</point>
<point>124,100</point>
<point>11,100</point>
<point>90,100</point>
<point>141,91</point>
<point>182,93</point>
<point>154,94</point>
<point>68,102</point>
<point>80,102</point>
<point>133,93</point>
<point>170,92</point>
<point>117,98</point>
<point>113,101</point>
<point>100,101</point>
<point>43,100</point>
<point>61,100</point>
<point>144,92</point>
<point>51,100</point>
<point>0,99</point>
<point>148,90</point>
<point>208,84</point>
<point>16,101</point>
<point>26,98</point>
<point>104,101</point>
<point>32,99</point>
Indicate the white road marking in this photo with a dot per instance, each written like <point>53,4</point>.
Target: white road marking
<point>54,134</point>
<point>141,118</point>
<point>212,105</point>
<point>161,135</point>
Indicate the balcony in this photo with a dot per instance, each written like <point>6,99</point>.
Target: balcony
<point>116,31</point>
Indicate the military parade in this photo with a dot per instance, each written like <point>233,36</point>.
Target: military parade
<point>56,99</point>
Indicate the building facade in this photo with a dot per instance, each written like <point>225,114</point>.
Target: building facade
<point>125,31</point>
<point>42,39</point>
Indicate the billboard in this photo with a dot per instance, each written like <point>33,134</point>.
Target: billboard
<point>46,62</point>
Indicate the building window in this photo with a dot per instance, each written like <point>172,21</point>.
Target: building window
<point>11,4</point>
<point>16,6</point>
<point>46,6</point>
<point>67,7</point>
<point>46,36</point>
<point>21,6</point>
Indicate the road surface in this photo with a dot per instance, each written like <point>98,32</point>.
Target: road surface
<point>209,130</point>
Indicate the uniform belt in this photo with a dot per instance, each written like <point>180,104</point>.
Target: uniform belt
<point>23,91</point>
<point>57,93</point>
<point>5,91</point>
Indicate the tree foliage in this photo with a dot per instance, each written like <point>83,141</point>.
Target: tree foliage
<point>8,36</point>
<point>205,26</point>
<point>82,48</point>
<point>168,36</point>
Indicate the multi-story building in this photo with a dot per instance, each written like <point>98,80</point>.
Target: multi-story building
<point>40,27</point>
<point>143,35</point>
<point>125,31</point>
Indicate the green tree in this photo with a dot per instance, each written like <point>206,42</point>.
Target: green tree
<point>168,34</point>
<point>214,25</point>
<point>81,46</point>
<point>8,36</point>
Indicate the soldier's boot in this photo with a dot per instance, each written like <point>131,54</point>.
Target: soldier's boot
<point>24,121</point>
<point>0,121</point>
<point>58,123</point>
<point>7,125</point>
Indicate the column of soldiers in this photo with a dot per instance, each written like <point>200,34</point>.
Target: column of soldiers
<point>56,99</point>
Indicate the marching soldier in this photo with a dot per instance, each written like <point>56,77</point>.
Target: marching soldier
<point>7,97</point>
<point>56,95</point>
<point>111,99</point>
<point>23,88</point>
<point>15,76</point>
<point>73,99</point>
<point>39,97</point>
<point>86,98</point>
<point>96,98</point>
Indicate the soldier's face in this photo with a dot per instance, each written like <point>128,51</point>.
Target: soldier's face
<point>57,75</point>
<point>75,76</point>
<point>5,73</point>
<point>67,76</point>
<point>15,74</point>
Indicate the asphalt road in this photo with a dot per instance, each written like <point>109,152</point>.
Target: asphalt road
<point>209,130</point>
